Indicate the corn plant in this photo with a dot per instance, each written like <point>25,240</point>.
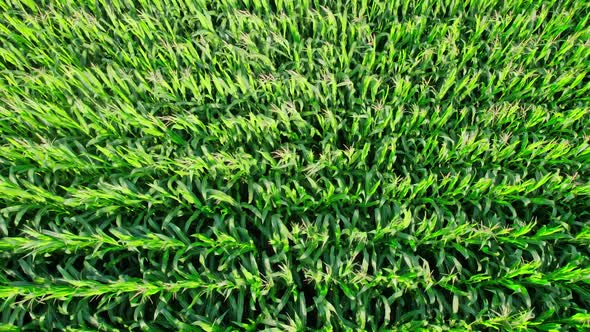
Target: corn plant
<point>294,165</point>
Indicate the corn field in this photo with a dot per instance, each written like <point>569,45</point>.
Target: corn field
<point>331,165</point>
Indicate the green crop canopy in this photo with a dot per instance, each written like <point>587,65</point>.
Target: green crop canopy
<point>282,165</point>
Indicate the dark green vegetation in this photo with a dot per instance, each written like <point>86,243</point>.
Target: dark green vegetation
<point>335,165</point>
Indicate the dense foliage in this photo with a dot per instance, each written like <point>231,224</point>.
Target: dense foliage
<point>293,165</point>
